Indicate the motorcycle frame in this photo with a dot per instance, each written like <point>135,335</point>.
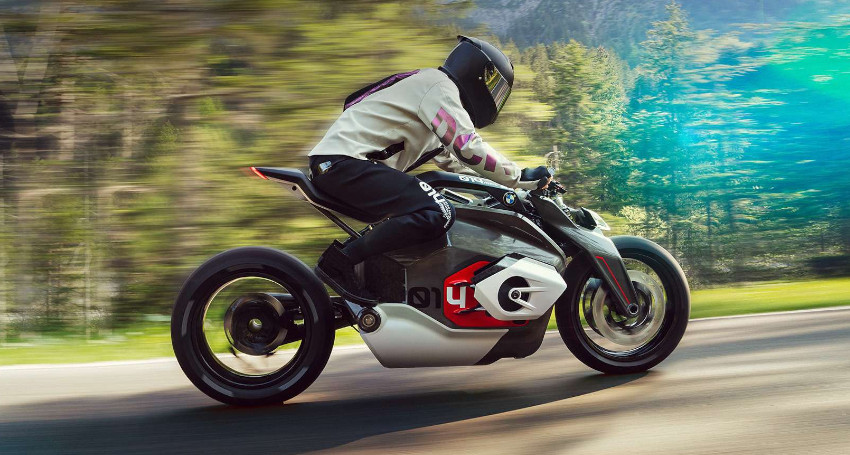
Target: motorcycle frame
<point>572,238</point>
<point>555,227</point>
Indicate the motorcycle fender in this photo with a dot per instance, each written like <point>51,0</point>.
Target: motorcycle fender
<point>606,260</point>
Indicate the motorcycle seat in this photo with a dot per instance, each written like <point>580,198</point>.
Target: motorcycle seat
<point>302,184</point>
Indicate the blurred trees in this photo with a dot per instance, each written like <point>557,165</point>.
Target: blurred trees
<point>621,25</point>
<point>124,126</point>
<point>585,89</point>
<point>714,145</point>
<point>663,166</point>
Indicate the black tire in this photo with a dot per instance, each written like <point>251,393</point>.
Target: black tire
<point>675,321</point>
<point>198,361</point>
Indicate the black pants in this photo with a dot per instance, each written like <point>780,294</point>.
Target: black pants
<point>417,213</point>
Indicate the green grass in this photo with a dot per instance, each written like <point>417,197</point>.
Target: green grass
<point>153,340</point>
<point>770,296</point>
<point>147,342</point>
<point>144,342</point>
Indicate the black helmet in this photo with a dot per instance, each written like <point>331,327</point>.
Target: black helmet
<point>484,77</point>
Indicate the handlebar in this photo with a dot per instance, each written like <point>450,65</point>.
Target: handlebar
<point>556,186</point>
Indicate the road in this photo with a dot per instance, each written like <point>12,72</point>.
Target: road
<point>761,384</point>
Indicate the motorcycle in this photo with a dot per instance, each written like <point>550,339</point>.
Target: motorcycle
<point>255,325</point>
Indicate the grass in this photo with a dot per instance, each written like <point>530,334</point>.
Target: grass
<point>145,342</point>
<point>770,296</point>
<point>153,340</point>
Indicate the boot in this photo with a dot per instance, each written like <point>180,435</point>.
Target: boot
<point>337,271</point>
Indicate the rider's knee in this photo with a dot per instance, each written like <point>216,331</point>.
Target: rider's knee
<point>436,222</point>
<point>448,218</point>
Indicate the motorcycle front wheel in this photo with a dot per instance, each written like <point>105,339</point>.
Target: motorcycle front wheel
<point>609,342</point>
<point>252,326</point>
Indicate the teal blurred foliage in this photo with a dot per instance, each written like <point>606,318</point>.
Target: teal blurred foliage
<point>731,149</point>
<point>126,126</point>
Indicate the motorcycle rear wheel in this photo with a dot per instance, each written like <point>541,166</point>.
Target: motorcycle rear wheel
<point>253,327</point>
<point>610,343</point>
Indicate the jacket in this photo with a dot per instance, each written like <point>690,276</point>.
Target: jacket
<point>419,116</point>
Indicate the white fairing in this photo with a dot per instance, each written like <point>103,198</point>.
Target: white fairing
<point>409,338</point>
<point>545,285</point>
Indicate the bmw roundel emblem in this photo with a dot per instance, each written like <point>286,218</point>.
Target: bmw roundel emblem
<point>509,198</point>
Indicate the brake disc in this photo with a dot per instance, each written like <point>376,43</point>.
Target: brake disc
<point>628,331</point>
<point>594,285</point>
<point>253,325</point>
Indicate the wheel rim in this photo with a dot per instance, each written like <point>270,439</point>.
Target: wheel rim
<point>244,329</point>
<point>613,335</point>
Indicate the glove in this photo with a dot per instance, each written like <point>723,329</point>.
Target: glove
<point>582,218</point>
<point>539,174</point>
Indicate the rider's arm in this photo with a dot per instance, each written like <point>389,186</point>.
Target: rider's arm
<point>442,111</point>
<point>448,162</point>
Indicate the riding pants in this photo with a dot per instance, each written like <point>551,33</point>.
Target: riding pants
<point>416,212</point>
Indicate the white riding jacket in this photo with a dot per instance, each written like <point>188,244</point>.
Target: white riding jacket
<point>420,113</point>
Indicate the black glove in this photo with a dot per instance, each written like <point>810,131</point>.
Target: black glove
<point>582,218</point>
<point>540,174</point>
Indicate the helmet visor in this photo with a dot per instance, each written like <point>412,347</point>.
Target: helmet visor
<point>497,85</point>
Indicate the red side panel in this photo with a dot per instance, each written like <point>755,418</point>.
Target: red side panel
<point>457,299</point>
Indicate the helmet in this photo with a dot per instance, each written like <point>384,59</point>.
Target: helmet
<point>483,75</point>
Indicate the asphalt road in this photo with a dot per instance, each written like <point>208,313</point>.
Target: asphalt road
<point>762,384</point>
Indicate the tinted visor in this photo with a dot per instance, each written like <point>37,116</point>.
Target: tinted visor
<point>497,85</point>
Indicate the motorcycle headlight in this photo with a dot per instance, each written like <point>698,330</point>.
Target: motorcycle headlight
<point>600,223</point>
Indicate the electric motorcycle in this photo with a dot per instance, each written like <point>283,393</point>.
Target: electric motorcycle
<point>256,325</point>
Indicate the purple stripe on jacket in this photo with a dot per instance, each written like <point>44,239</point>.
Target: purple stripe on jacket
<point>392,80</point>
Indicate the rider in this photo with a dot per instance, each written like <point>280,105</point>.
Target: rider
<point>399,123</point>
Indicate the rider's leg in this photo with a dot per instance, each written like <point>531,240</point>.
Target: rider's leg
<point>417,213</point>
<point>398,232</point>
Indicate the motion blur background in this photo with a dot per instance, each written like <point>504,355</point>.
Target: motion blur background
<point>720,129</point>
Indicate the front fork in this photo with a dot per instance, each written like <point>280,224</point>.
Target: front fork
<point>604,257</point>
<point>613,271</point>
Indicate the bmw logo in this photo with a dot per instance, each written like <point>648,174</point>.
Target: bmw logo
<point>509,198</point>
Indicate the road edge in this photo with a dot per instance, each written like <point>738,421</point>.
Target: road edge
<point>359,347</point>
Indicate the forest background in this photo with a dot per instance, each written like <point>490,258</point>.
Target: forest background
<point>721,133</point>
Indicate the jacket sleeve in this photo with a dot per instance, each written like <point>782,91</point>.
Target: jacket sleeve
<point>443,113</point>
<point>448,162</point>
